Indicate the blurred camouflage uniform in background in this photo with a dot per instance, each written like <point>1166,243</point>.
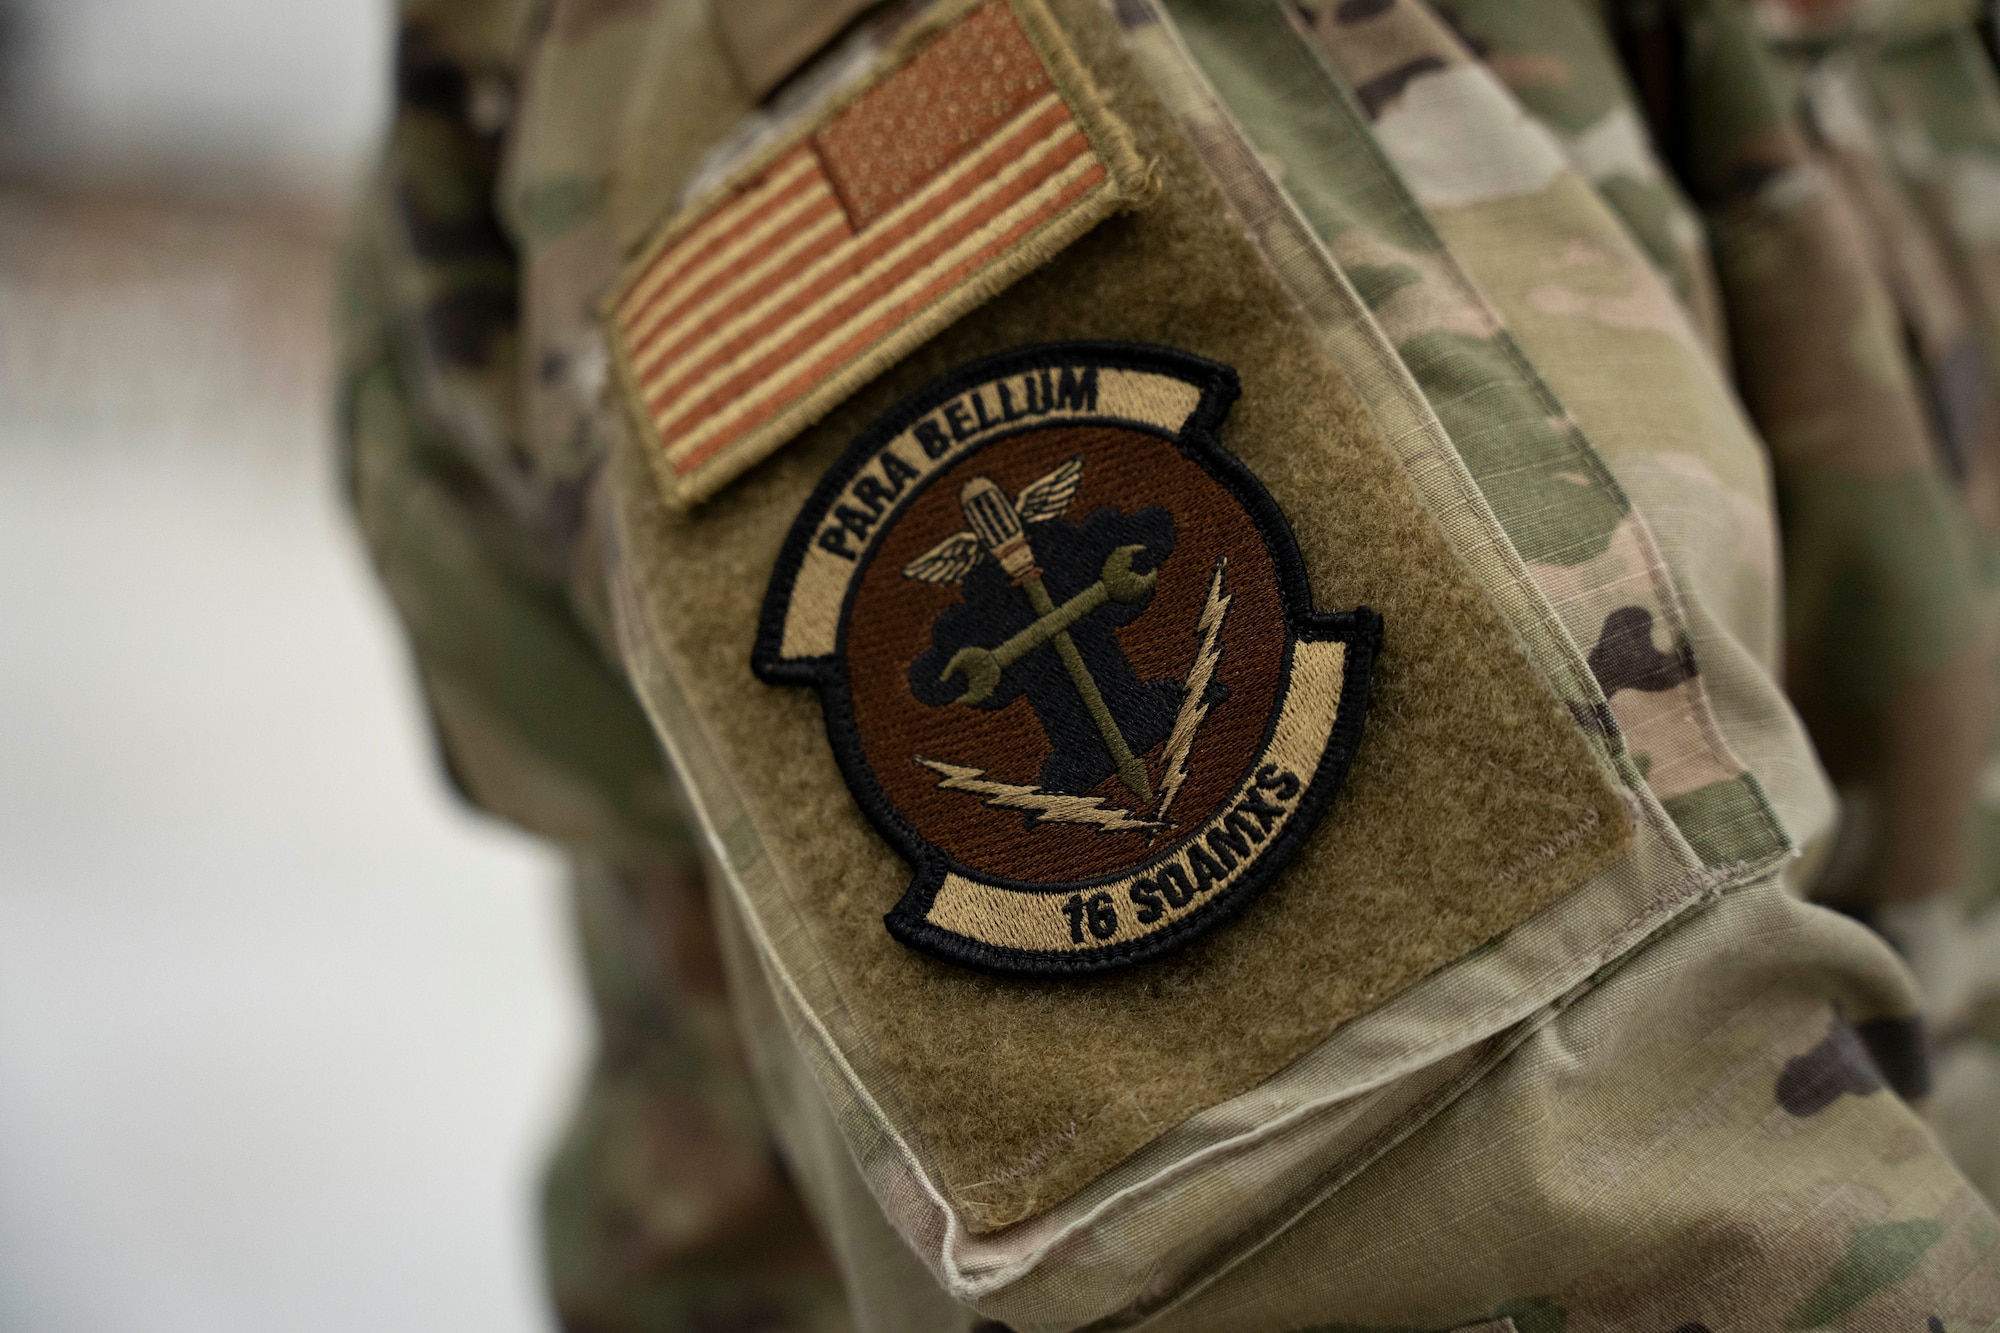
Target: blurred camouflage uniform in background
<point>1904,100</point>
<point>1668,206</point>
<point>1833,150</point>
<point>667,1206</point>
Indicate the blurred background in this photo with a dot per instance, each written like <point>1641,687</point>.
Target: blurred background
<point>283,1029</point>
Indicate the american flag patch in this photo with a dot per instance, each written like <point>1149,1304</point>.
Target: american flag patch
<point>978,153</point>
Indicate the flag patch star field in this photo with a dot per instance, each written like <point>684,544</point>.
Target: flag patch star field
<point>975,152</point>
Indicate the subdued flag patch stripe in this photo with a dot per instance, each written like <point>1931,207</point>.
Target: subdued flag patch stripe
<point>921,217</point>
<point>765,272</point>
<point>770,273</point>
<point>718,229</point>
<point>972,161</point>
<point>893,311</point>
<point>867,273</point>
<point>783,215</point>
<point>801,336</point>
<point>900,237</point>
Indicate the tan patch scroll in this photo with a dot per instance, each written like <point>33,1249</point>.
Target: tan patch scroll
<point>1070,665</point>
<point>974,154</point>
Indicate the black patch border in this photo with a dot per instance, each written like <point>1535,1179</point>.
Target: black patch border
<point>1360,629</point>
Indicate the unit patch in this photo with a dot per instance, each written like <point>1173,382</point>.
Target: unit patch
<point>976,152</point>
<point>1068,657</point>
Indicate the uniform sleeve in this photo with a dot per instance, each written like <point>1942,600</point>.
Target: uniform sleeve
<point>1887,658</point>
<point>534,723</point>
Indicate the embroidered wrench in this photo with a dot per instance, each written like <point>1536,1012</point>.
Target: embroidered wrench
<point>991,515</point>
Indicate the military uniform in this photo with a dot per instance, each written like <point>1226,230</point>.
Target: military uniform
<point>1905,99</point>
<point>1872,381</point>
<point>1227,529</point>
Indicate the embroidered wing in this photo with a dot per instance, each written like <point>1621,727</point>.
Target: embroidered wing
<point>947,562</point>
<point>1046,497</point>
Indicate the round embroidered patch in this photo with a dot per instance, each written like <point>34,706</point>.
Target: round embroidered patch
<point>1068,657</point>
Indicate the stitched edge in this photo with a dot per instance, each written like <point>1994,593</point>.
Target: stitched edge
<point>1129,184</point>
<point>1360,629</point>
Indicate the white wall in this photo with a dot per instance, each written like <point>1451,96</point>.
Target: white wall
<point>284,1031</point>
<point>283,90</point>
<point>284,1034</point>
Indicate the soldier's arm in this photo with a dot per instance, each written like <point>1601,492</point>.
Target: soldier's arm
<point>453,513</point>
<point>1442,969</point>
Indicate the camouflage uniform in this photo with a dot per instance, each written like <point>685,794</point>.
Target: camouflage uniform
<point>667,1205</point>
<point>1670,1100</point>
<point>1872,383</point>
<point>1905,97</point>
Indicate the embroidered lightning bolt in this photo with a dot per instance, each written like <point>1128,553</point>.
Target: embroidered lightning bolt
<point>1052,807</point>
<point>1194,706</point>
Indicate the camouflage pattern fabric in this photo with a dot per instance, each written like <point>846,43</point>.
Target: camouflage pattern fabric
<point>1939,308</point>
<point>665,1205</point>
<point>1929,93</point>
<point>1865,501</point>
<point>1889,659</point>
<point>1561,502</point>
<point>1557,58</point>
<point>472,554</point>
<point>1528,282</point>
<point>1640,1301</point>
<point>1805,170</point>
<point>1721,1154</point>
<point>1906,98</point>
<point>1707,1133</point>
